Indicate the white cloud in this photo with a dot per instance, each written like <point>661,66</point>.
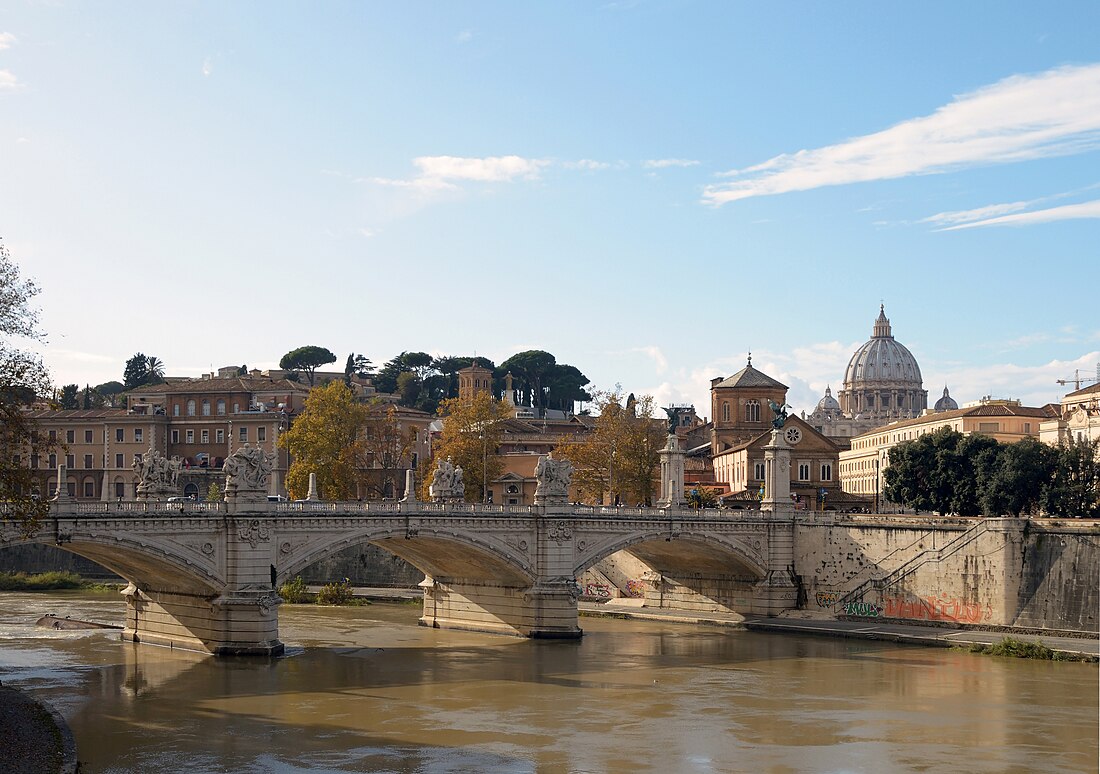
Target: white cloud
<point>22,140</point>
<point>207,67</point>
<point>1086,210</point>
<point>665,163</point>
<point>492,169</point>
<point>368,233</point>
<point>8,81</point>
<point>465,36</point>
<point>6,39</point>
<point>1023,117</point>
<point>589,164</point>
<point>980,213</point>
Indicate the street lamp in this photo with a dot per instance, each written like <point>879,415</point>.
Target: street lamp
<point>876,485</point>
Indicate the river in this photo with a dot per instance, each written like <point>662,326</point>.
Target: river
<point>364,689</point>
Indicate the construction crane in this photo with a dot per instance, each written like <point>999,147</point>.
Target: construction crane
<point>1078,380</point>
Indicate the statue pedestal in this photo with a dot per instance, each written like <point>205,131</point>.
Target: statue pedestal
<point>777,475</point>
<point>672,474</point>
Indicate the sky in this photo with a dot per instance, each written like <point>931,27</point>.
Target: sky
<point>649,190</point>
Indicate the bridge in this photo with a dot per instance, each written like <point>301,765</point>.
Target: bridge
<point>204,576</point>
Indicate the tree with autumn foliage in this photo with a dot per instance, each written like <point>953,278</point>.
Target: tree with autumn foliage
<point>327,439</point>
<point>620,457</point>
<point>472,430</point>
<point>387,443</point>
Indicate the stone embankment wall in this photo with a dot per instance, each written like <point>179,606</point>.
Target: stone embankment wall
<point>1036,574</point>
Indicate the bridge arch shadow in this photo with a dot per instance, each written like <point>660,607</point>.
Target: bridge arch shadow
<point>689,571</point>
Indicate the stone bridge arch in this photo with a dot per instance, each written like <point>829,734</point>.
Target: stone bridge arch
<point>691,569</point>
<point>436,553</point>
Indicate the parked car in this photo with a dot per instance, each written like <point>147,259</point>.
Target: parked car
<point>276,499</point>
<point>183,499</point>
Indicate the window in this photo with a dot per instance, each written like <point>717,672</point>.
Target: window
<point>89,488</point>
<point>261,433</point>
<point>206,408</point>
<point>1027,427</point>
<point>219,435</point>
<point>190,408</point>
<point>236,408</point>
<point>243,433</point>
<point>826,471</point>
<point>87,436</point>
<point>175,409</point>
<point>725,411</point>
<point>988,427</point>
<point>119,463</point>
<point>175,436</point>
<point>139,435</point>
<point>803,471</point>
<point>34,461</point>
<point>87,462</point>
<point>120,490</point>
<point>120,434</point>
<point>752,411</point>
<point>53,435</point>
<point>206,436</point>
<point>70,436</point>
<point>221,407</point>
<point>758,470</point>
<point>70,488</point>
<point>190,436</point>
<point>53,461</point>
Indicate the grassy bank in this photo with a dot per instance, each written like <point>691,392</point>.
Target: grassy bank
<point>49,581</point>
<point>1014,648</point>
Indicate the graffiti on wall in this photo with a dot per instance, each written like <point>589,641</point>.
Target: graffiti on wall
<point>635,588</point>
<point>937,608</point>
<point>600,590</point>
<point>862,609</point>
<point>827,598</point>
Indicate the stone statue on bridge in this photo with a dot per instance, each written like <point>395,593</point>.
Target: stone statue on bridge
<point>447,484</point>
<point>554,477</point>
<point>158,476</point>
<point>246,473</point>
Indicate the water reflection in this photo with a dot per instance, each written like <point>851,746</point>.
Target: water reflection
<point>365,689</point>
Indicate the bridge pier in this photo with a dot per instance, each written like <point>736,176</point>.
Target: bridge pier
<point>234,623</point>
<point>546,610</point>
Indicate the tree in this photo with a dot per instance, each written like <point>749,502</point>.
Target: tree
<point>68,398</point>
<point>136,372</point>
<point>620,457</point>
<point>533,371</point>
<point>1074,488</point>
<point>326,439</point>
<point>156,370</point>
<point>110,392</point>
<point>23,378</point>
<point>1015,484</point>
<point>306,359</point>
<point>408,387</point>
<point>357,365</point>
<point>472,432</point>
<point>386,442</point>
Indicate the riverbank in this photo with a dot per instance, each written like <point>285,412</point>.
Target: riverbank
<point>1077,648</point>
<point>37,740</point>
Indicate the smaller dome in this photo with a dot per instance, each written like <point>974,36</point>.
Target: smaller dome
<point>828,403</point>
<point>946,403</point>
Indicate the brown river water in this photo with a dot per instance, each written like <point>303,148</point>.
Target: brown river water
<point>364,689</point>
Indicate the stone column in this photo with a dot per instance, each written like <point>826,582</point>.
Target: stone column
<point>61,497</point>
<point>777,475</point>
<point>672,474</point>
<point>312,495</point>
<point>410,487</point>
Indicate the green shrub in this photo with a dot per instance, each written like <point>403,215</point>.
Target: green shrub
<point>335,594</point>
<point>46,581</point>
<point>1014,648</point>
<point>294,591</point>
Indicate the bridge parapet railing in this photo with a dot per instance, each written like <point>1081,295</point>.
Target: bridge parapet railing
<point>140,508</point>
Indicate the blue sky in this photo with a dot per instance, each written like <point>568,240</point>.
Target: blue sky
<point>648,190</point>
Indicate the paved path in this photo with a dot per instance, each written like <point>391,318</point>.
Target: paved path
<point>869,630</point>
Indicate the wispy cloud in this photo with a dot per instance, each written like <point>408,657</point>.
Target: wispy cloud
<point>1082,210</point>
<point>1054,113</point>
<point>465,36</point>
<point>441,173</point>
<point>8,81</point>
<point>6,40</point>
<point>588,164</point>
<point>666,163</point>
<point>207,67</point>
<point>980,213</point>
